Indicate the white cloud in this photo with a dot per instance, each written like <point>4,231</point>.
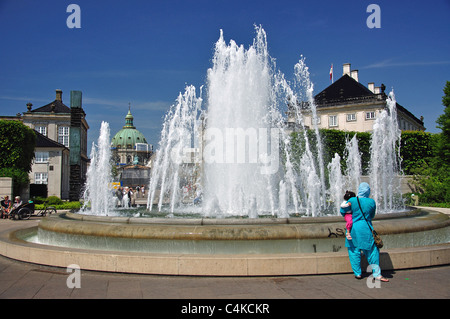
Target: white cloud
<point>390,63</point>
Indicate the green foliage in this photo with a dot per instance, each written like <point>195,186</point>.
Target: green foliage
<point>63,205</point>
<point>20,177</point>
<point>443,121</point>
<point>415,150</point>
<point>17,142</point>
<point>432,184</point>
<point>333,141</point>
<point>41,202</point>
<point>431,174</point>
<point>421,154</point>
<point>51,200</point>
<point>54,200</point>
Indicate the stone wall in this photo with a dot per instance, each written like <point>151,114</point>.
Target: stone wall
<point>6,187</point>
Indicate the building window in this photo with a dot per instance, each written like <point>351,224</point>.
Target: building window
<point>333,121</point>
<point>41,157</point>
<point>351,117</point>
<point>63,135</point>
<point>40,178</point>
<point>370,115</point>
<point>41,129</point>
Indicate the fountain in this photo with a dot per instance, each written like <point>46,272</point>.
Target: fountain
<point>385,158</point>
<point>235,199</point>
<point>244,163</point>
<point>97,193</point>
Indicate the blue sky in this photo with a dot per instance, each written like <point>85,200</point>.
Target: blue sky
<point>146,52</point>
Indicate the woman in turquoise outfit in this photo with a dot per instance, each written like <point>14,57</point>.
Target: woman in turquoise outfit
<point>361,234</point>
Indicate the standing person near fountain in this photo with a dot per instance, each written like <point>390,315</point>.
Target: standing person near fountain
<point>362,238</point>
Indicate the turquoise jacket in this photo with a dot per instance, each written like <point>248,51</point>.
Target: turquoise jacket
<point>361,233</point>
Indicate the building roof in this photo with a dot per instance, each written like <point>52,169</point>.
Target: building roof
<point>56,106</point>
<point>344,89</point>
<point>347,90</point>
<point>128,135</point>
<point>44,141</point>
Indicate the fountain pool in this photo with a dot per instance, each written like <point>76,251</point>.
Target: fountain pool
<point>224,247</point>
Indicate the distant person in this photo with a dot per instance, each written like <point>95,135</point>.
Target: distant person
<point>138,193</point>
<point>119,195</point>
<point>132,197</point>
<point>17,203</point>
<point>6,207</point>
<point>126,198</point>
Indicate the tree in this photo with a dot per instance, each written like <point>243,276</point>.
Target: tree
<point>443,121</point>
<point>17,143</point>
<point>432,178</point>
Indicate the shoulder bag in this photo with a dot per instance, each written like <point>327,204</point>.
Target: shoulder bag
<point>377,239</point>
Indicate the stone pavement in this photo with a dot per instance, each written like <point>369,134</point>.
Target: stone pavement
<point>19,280</point>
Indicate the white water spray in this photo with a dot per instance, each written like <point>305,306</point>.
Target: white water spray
<point>384,163</point>
<point>98,193</point>
<point>241,161</point>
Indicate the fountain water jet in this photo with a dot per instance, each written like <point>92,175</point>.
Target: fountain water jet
<point>97,192</point>
<point>385,158</point>
<point>244,145</point>
<point>354,169</point>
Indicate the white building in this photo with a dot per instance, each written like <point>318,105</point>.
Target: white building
<point>51,165</point>
<point>348,105</point>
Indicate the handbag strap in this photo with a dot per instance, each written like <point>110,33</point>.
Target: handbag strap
<point>363,213</point>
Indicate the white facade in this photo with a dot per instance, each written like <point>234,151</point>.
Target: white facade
<point>348,105</point>
<point>51,165</point>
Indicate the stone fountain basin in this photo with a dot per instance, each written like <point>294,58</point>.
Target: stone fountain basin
<point>225,247</point>
<point>234,236</point>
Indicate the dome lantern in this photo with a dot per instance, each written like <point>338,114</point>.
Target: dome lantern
<point>129,119</point>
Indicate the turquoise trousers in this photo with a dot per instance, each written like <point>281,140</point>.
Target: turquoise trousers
<point>373,258</point>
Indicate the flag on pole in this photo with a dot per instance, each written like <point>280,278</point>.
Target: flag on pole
<point>331,73</point>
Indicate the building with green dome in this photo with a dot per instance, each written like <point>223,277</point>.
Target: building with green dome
<point>129,146</point>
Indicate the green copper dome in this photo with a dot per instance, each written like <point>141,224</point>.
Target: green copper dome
<point>128,136</point>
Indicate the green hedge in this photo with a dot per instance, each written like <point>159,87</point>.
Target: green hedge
<point>333,141</point>
<point>415,147</point>
<point>416,150</point>
<point>64,205</point>
<point>41,202</point>
<point>419,155</point>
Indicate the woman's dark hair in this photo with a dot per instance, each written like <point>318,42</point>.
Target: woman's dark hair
<point>348,195</point>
